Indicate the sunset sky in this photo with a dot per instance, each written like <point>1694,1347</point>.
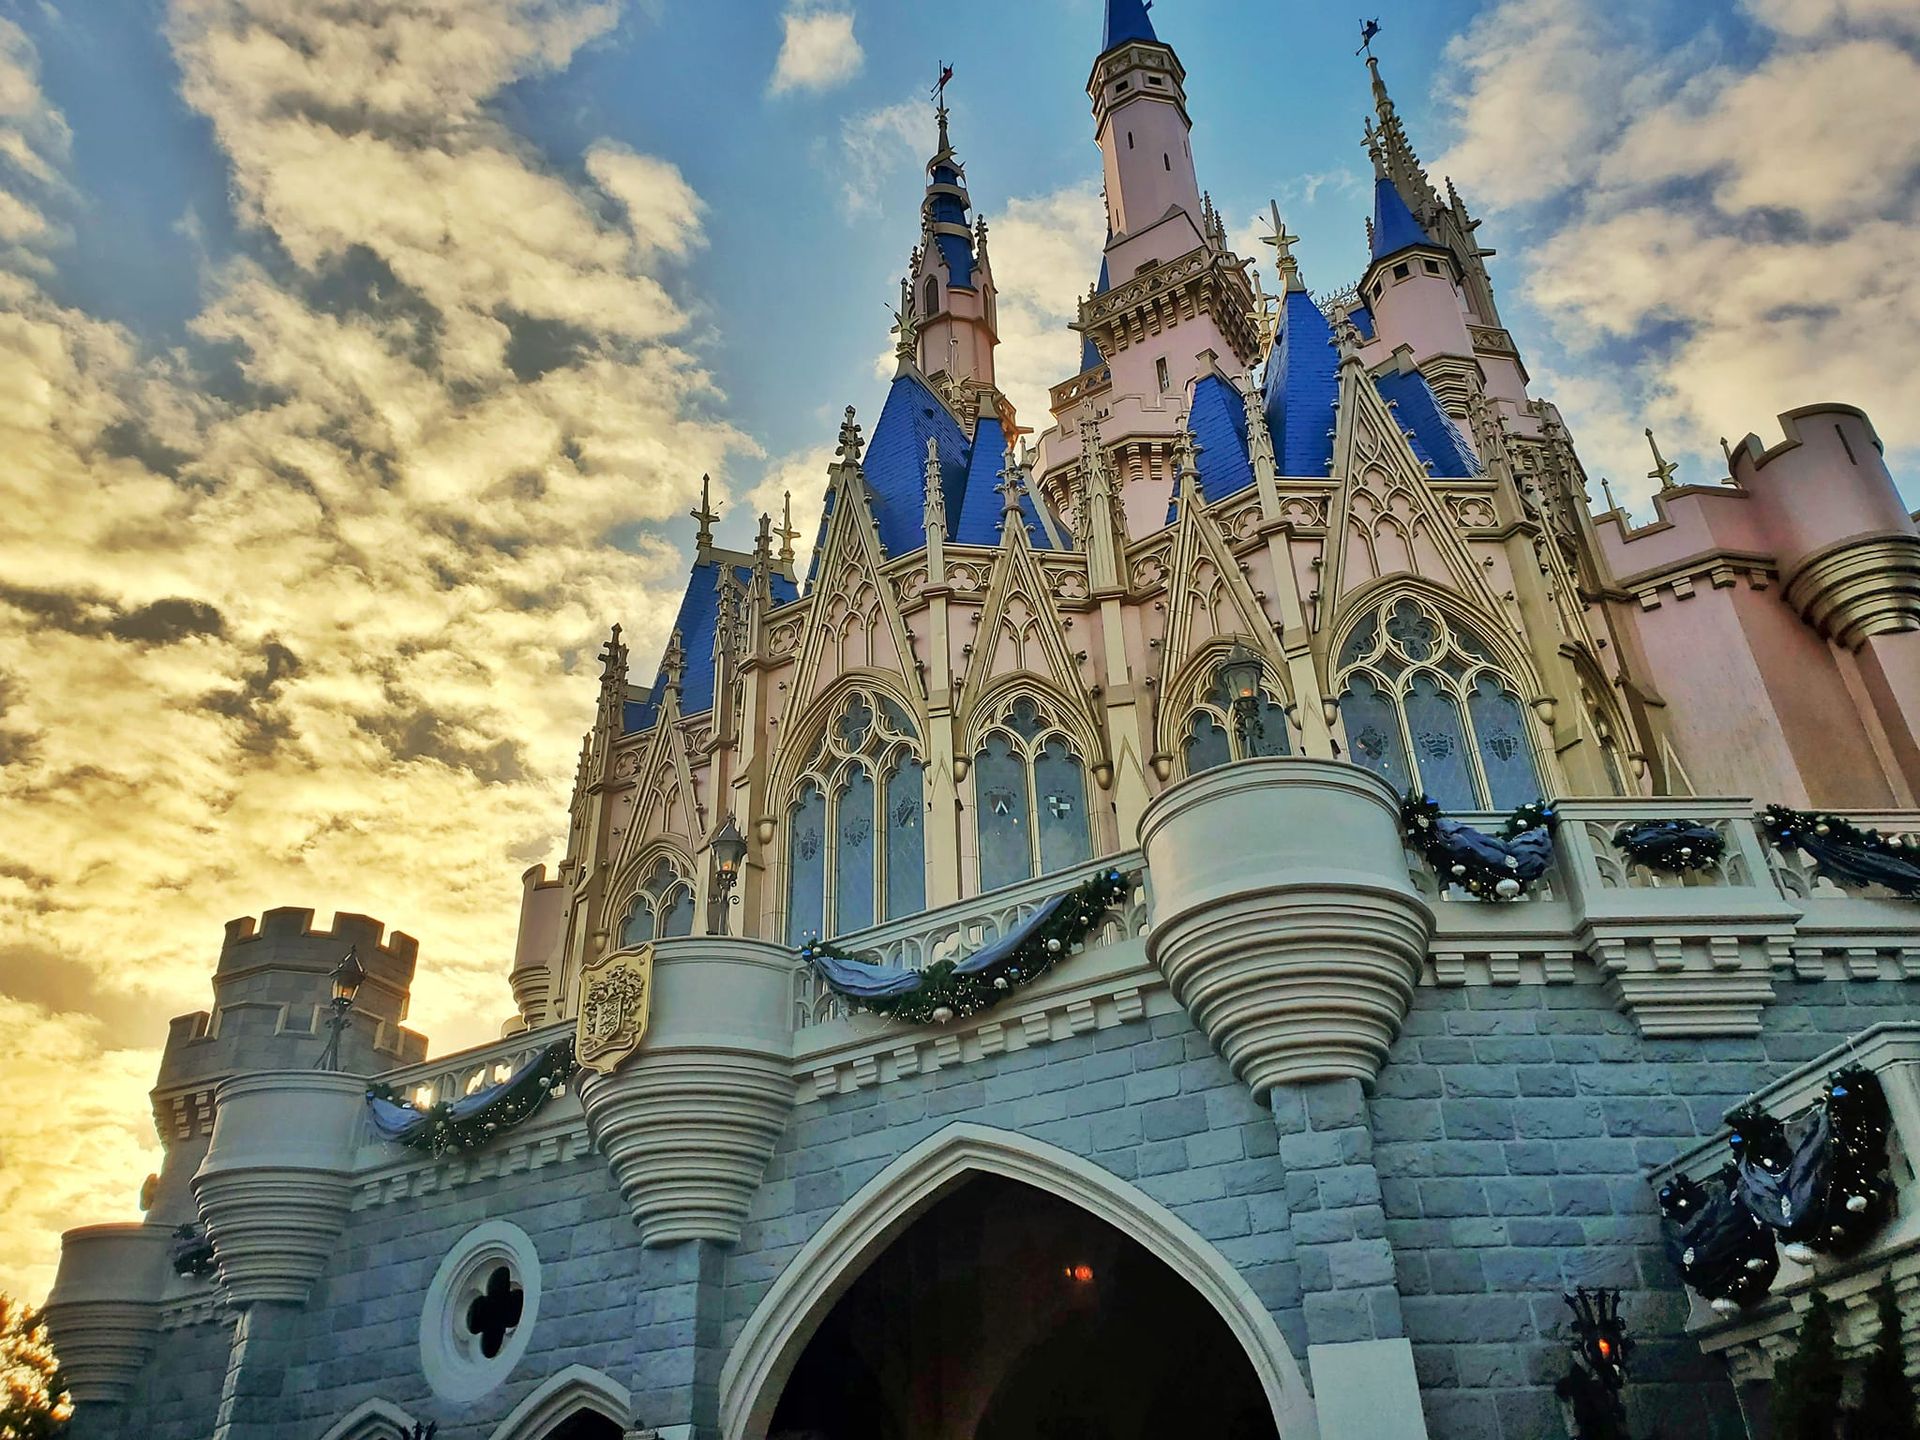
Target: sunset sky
<point>360,358</point>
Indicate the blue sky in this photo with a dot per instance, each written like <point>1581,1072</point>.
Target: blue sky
<point>360,360</point>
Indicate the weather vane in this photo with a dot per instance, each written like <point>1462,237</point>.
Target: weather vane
<point>940,85</point>
<point>1368,29</point>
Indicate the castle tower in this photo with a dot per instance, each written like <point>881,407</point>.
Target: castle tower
<point>953,296</point>
<point>1172,305</point>
<point>271,991</point>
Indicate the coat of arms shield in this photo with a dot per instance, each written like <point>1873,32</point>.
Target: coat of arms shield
<point>616,997</point>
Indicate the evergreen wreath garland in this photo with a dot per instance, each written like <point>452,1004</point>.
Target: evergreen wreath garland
<point>1672,846</point>
<point>950,989</point>
<point>1845,853</point>
<point>1721,1248</point>
<point>470,1122</point>
<point>1489,867</point>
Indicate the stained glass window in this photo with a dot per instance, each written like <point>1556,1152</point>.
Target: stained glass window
<point>906,841</point>
<point>676,912</point>
<point>1000,791</point>
<point>637,928</point>
<point>1501,728</point>
<point>854,865</point>
<point>1425,707</point>
<point>1060,791</point>
<point>1207,743</point>
<point>807,865</point>
<point>663,907</point>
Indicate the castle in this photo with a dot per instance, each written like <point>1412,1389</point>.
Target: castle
<point>1297,1137</point>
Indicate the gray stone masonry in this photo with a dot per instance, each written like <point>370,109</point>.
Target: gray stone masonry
<point>1513,1128</point>
<point>1499,1160</point>
<point>1339,1228</point>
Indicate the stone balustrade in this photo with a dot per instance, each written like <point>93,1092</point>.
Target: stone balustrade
<point>1753,1340</point>
<point>454,1076</point>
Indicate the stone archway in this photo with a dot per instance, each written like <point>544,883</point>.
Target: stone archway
<point>760,1363</point>
<point>578,1403</point>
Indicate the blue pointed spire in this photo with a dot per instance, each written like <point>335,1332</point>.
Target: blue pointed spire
<point>1126,21</point>
<point>1090,355</point>
<point>1394,227</point>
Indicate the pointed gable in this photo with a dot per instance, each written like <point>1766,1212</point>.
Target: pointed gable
<point>1302,382</point>
<point>896,462</point>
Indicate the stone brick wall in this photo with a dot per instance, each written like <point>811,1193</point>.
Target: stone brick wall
<point>1512,1131</point>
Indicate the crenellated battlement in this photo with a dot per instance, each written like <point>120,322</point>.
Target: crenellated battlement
<point>290,923</point>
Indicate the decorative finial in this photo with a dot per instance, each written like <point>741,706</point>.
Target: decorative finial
<point>1346,336</point>
<point>786,532</point>
<point>1613,505</point>
<point>1727,450</point>
<point>1283,242</point>
<point>1663,468</point>
<point>940,107</point>
<point>763,542</point>
<point>673,664</point>
<point>613,655</point>
<point>906,324</point>
<point>706,514</point>
<point>1010,490</point>
<point>1186,453</point>
<point>850,441</point>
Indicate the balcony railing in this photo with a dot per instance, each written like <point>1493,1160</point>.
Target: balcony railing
<point>957,930</point>
<point>451,1077</point>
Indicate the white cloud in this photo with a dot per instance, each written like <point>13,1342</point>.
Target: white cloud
<point>1045,251</point>
<point>1706,244</point>
<point>802,474</point>
<point>818,51</point>
<point>877,144</point>
<point>322,632</point>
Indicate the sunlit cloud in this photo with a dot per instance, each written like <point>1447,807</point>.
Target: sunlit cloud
<point>818,50</point>
<point>304,613</point>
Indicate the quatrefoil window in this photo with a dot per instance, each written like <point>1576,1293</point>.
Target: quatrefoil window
<point>495,1312</point>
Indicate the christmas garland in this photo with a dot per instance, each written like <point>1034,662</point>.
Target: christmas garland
<point>471,1121</point>
<point>1844,852</point>
<point>1721,1248</point>
<point>1818,1184</point>
<point>191,1253</point>
<point>1491,867</point>
<point>1673,846</point>
<point>950,989</point>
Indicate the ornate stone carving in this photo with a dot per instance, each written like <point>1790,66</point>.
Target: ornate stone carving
<point>616,995</point>
<point>1298,958</point>
<point>689,1123</point>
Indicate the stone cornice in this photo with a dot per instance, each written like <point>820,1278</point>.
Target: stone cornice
<point>1857,587</point>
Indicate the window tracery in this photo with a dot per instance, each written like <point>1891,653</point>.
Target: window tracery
<point>1427,707</point>
<point>661,909</point>
<point>1213,736</point>
<point>1030,798</point>
<point>856,832</point>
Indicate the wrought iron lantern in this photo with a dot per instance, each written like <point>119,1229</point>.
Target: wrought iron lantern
<point>1240,674</point>
<point>729,854</point>
<point>346,977</point>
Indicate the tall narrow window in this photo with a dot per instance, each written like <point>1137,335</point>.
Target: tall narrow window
<point>1160,374</point>
<point>1000,799</point>
<point>930,298</point>
<point>1426,707</point>
<point>856,853</point>
<point>807,866</point>
<point>906,840</point>
<point>1030,800</point>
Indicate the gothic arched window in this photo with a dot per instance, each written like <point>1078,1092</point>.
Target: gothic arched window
<point>1030,799</point>
<point>1214,735</point>
<point>1427,708</point>
<point>930,298</point>
<point>661,909</point>
<point>856,831</point>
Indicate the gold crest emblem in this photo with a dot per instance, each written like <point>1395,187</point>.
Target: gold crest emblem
<point>616,997</point>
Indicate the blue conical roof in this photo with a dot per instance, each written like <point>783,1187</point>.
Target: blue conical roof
<point>1394,227</point>
<point>1127,20</point>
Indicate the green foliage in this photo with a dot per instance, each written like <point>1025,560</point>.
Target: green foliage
<point>1807,1384</point>
<point>1886,1409</point>
<point>33,1404</point>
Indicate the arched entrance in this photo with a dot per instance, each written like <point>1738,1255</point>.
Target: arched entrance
<point>1011,1336</point>
<point>1007,1313</point>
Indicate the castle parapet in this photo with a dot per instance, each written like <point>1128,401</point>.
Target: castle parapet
<point>536,950</point>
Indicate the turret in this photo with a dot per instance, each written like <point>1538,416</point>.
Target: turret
<point>271,992</point>
<point>1141,125</point>
<point>952,296</point>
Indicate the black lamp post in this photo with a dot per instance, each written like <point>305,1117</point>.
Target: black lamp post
<point>729,854</point>
<point>346,978</point>
<point>1240,673</point>
<point>1592,1384</point>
